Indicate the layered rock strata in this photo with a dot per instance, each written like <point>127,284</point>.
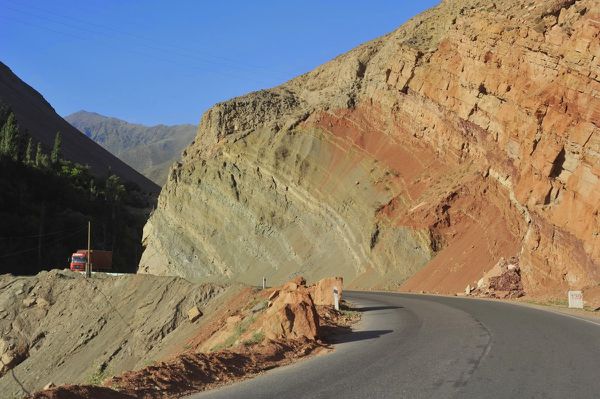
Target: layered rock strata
<point>417,160</point>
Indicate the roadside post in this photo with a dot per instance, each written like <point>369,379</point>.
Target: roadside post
<point>264,283</point>
<point>336,299</point>
<point>576,299</point>
<point>88,265</point>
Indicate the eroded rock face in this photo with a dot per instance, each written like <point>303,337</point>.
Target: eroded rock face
<point>419,159</point>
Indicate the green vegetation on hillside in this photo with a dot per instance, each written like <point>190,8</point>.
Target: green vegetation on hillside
<point>46,202</point>
<point>151,150</point>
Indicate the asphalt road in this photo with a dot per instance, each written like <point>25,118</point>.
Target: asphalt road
<point>435,347</point>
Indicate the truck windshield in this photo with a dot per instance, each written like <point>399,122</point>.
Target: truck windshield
<point>79,259</point>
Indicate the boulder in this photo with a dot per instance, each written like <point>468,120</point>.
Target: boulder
<point>194,314</point>
<point>322,291</point>
<point>43,303</point>
<point>292,315</point>
<point>259,306</point>
<point>29,301</point>
<point>12,356</point>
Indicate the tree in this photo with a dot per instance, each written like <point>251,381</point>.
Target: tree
<point>10,138</point>
<point>55,154</point>
<point>93,189</point>
<point>114,192</point>
<point>41,159</point>
<point>114,189</point>
<point>29,152</point>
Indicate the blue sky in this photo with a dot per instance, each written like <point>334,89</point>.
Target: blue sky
<point>168,61</point>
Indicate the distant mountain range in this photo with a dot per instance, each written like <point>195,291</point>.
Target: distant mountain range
<point>42,123</point>
<point>149,149</point>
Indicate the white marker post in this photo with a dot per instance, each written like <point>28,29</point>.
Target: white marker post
<point>576,299</point>
<point>336,299</point>
<point>264,282</point>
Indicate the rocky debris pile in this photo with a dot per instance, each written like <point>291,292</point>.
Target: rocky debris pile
<point>80,392</point>
<point>503,281</point>
<point>275,328</point>
<point>291,313</point>
<point>189,372</point>
<point>58,326</point>
<point>322,290</point>
<point>287,312</point>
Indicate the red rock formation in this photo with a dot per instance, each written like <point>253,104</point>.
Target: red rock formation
<point>322,291</point>
<point>417,160</point>
<point>291,314</point>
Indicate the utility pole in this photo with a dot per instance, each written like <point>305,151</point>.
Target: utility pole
<point>88,265</point>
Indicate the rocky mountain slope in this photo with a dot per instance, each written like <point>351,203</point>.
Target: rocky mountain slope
<point>42,123</point>
<point>60,327</point>
<point>417,160</point>
<point>150,150</point>
<point>152,336</point>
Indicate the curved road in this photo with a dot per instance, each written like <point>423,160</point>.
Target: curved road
<point>409,346</point>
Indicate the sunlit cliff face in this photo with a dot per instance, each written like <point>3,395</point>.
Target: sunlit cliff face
<point>418,159</point>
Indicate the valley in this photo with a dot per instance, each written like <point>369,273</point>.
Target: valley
<point>151,150</point>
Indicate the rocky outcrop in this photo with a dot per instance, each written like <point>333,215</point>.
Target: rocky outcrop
<point>417,160</point>
<point>322,291</point>
<point>292,314</point>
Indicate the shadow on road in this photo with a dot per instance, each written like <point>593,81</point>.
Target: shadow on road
<point>371,308</point>
<point>358,336</point>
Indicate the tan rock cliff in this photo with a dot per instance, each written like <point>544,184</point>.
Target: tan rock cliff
<point>417,160</point>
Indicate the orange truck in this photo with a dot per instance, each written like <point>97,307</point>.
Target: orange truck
<point>101,261</point>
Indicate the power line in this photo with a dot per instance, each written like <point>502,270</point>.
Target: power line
<point>36,247</point>
<point>35,236</point>
<point>170,61</point>
<point>167,48</point>
<point>191,52</point>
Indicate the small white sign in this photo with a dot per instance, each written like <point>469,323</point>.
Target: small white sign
<point>576,299</point>
<point>336,299</point>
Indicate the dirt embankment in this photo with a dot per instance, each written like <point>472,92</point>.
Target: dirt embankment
<point>251,332</point>
<point>58,327</point>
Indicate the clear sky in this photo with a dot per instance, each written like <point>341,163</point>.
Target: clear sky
<point>168,61</point>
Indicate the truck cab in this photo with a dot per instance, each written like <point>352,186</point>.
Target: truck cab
<point>78,262</point>
<point>100,261</point>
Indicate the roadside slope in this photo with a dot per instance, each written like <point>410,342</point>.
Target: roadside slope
<point>60,327</point>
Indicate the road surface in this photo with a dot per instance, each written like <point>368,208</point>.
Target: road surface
<point>410,346</point>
